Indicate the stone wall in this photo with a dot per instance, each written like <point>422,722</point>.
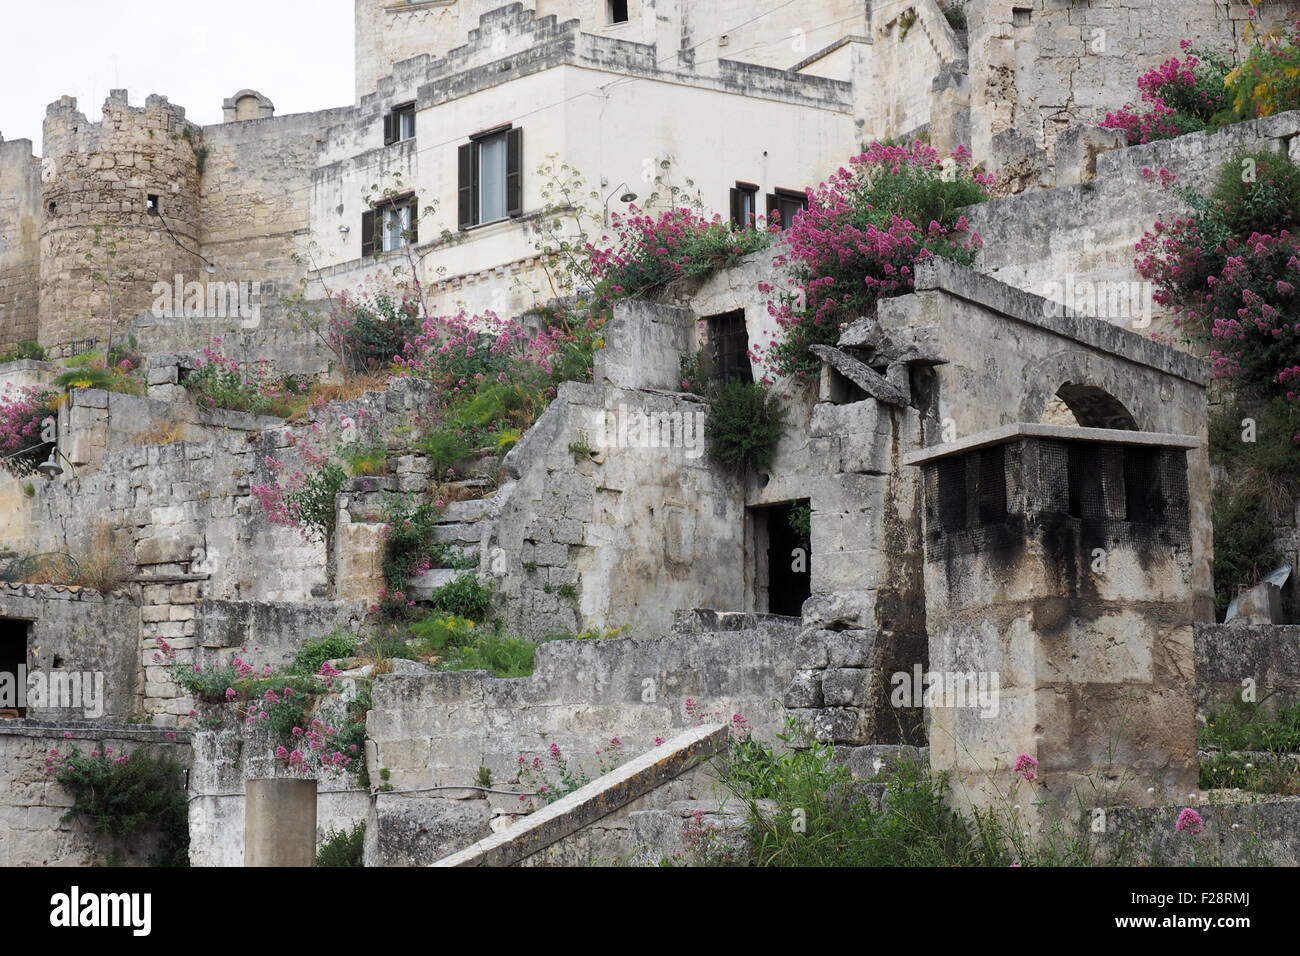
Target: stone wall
<point>1038,65</point>
<point>437,729</point>
<point>1234,659</point>
<point>20,251</point>
<point>78,631</point>
<point>32,802</point>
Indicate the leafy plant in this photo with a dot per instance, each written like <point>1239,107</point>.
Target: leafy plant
<point>22,411</point>
<point>465,597</point>
<point>744,425</point>
<point>343,847</point>
<point>313,654</point>
<point>1243,544</point>
<point>25,349</point>
<point>126,794</point>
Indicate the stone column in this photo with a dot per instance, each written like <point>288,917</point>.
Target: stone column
<point>280,822</point>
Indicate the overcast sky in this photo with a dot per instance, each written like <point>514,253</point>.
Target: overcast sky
<point>297,52</point>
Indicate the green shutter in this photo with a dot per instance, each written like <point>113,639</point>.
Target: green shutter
<point>467,194</point>
<point>367,233</point>
<point>514,179</point>
<point>390,128</point>
<point>415,214</point>
<point>735,207</point>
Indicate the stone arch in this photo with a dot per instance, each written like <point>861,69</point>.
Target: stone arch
<point>1075,388</point>
<point>247,105</point>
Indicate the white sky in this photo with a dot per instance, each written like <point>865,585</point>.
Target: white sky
<point>297,52</point>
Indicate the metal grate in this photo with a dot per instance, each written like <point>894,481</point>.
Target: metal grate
<point>731,346</point>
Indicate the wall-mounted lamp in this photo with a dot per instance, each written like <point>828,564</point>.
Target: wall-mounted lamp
<point>628,196</point>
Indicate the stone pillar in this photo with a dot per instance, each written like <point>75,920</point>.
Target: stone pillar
<point>1059,604</point>
<point>280,822</point>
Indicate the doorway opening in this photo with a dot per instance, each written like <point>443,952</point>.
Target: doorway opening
<point>782,557</point>
<point>13,662</point>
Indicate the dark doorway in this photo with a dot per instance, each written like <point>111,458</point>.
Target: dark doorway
<point>783,579</point>
<point>13,661</point>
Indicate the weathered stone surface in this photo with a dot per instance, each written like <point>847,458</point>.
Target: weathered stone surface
<point>863,376</point>
<point>418,830</point>
<point>805,690</point>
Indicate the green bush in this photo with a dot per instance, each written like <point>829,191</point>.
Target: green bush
<point>839,826</point>
<point>330,647</point>
<point>466,597</point>
<point>503,654</point>
<point>121,796</point>
<point>1257,191</point>
<point>343,847</point>
<point>409,548</point>
<point>744,425</point>
<point>1243,544</point>
<point>436,633</point>
<point>26,349</point>
<point>1244,726</point>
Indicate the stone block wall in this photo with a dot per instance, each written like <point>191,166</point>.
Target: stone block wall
<point>78,631</point>
<point>1233,659</point>
<point>21,215</point>
<point>1038,65</point>
<point>437,729</point>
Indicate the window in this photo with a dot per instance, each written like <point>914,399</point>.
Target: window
<point>730,346</point>
<point>389,226</point>
<point>399,124</point>
<point>488,174</point>
<point>618,11</point>
<point>784,203</point>
<point>744,204</point>
<point>152,205</point>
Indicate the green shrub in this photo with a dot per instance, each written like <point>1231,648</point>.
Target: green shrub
<point>503,654</point>
<point>466,597</point>
<point>313,502</point>
<point>1257,191</point>
<point>955,14</point>
<point>120,796</point>
<point>838,825</point>
<point>26,349</point>
<point>445,446</point>
<point>1244,726</point>
<point>436,633</point>
<point>1243,544</point>
<point>343,847</point>
<point>744,425</point>
<point>409,548</point>
<point>330,647</point>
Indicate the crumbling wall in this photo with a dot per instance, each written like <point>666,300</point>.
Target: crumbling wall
<point>1038,65</point>
<point>1236,663</point>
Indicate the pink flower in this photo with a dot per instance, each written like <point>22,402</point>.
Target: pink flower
<point>1026,766</point>
<point>1189,819</point>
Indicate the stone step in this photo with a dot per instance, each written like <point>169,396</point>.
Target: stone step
<point>708,621</point>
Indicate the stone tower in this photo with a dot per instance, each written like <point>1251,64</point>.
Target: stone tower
<point>131,182</point>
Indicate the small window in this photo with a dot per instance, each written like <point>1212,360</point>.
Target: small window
<point>782,206</point>
<point>399,124</point>
<point>730,341</point>
<point>618,11</point>
<point>51,208</point>
<point>489,177</point>
<point>744,205</point>
<point>391,225</point>
<point>152,205</point>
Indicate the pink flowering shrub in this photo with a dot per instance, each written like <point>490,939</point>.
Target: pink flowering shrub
<point>650,250</point>
<point>21,412</point>
<point>860,238</point>
<point>554,777</point>
<point>1181,96</point>
<point>218,381</point>
<point>120,795</point>
<point>1026,766</point>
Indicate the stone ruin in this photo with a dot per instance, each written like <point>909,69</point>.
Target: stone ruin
<point>1004,493</point>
